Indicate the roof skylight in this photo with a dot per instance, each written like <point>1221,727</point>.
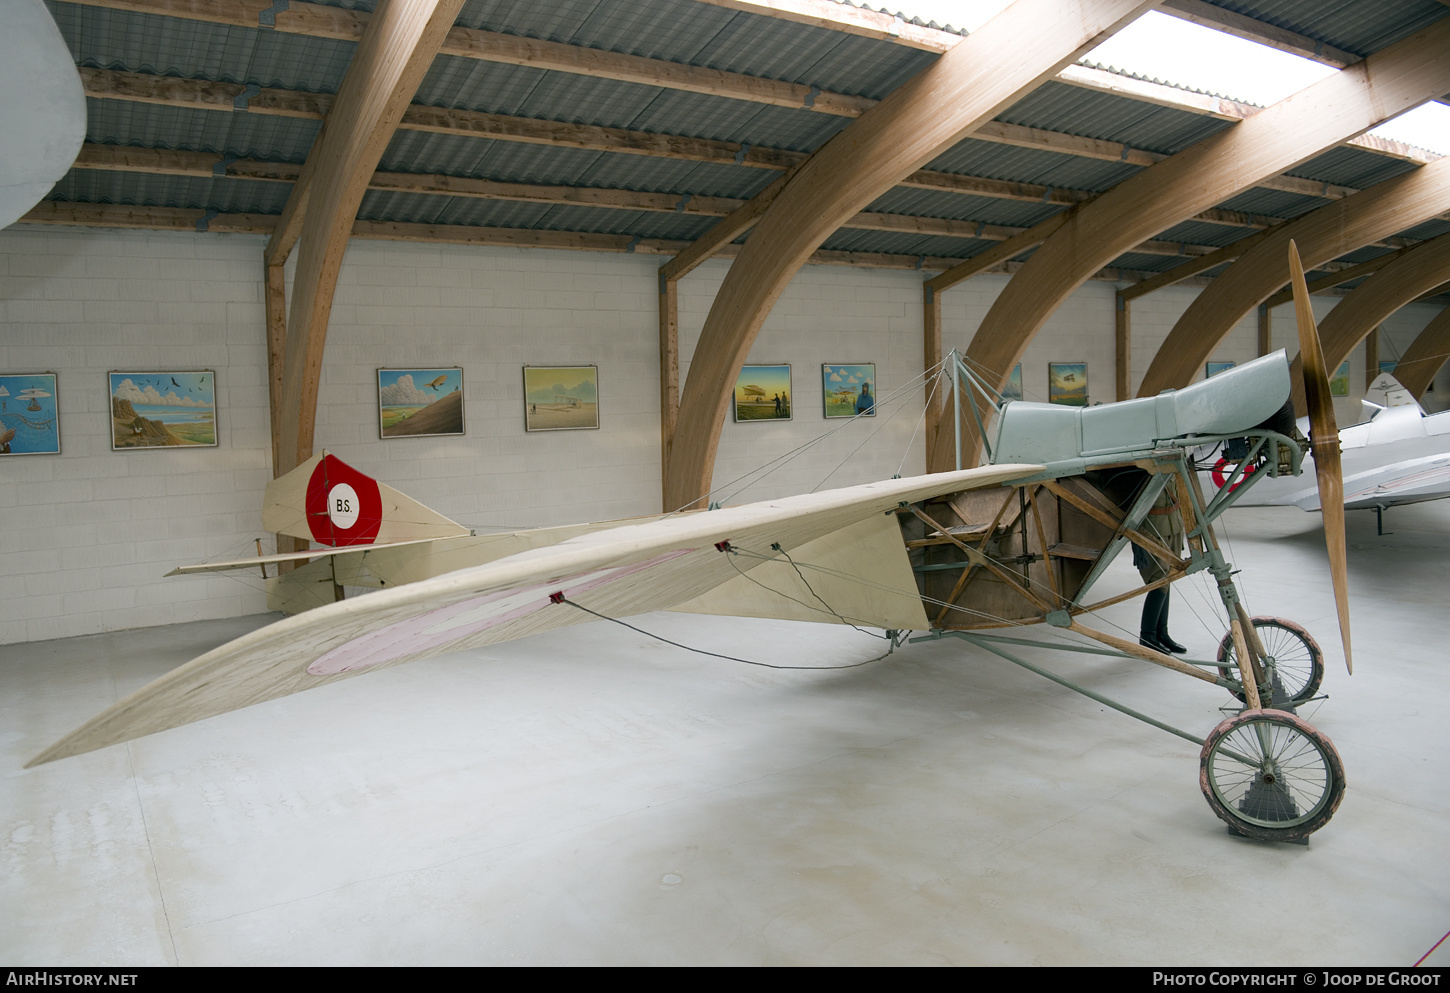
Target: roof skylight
<point>1177,52</point>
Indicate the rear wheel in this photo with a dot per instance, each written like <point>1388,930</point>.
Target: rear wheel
<point>1293,657</point>
<point>1271,776</point>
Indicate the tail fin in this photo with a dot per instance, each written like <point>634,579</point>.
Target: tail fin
<point>328,501</point>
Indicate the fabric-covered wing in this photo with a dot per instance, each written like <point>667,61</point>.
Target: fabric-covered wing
<point>617,572</point>
<point>1413,481</point>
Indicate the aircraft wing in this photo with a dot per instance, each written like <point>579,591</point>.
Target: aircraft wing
<point>1412,481</point>
<point>620,571</point>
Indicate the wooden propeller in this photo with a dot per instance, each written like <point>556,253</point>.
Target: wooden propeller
<point>1324,443</point>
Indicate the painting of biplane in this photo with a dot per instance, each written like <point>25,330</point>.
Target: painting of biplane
<point>1067,383</point>
<point>29,422</point>
<point>762,393</point>
<point>849,390</point>
<point>561,398</point>
<point>163,410</point>
<point>415,403</point>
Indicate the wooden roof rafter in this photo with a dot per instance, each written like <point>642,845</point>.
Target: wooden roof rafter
<point>1316,118</point>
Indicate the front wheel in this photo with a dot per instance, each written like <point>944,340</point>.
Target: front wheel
<point>1291,655</point>
<point>1271,776</point>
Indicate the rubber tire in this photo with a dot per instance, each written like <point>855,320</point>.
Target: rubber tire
<point>1309,684</point>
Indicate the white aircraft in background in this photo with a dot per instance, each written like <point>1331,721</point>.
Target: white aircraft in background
<point>1397,455</point>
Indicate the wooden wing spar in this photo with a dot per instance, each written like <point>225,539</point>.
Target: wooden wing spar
<point>615,569</point>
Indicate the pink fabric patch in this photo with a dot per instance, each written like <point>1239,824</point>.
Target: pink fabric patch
<point>433,630</point>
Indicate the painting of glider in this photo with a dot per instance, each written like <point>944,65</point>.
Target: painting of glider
<point>561,398</point>
<point>418,403</point>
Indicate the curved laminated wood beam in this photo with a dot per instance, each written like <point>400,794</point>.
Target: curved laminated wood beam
<point>1422,361</point>
<point>1327,233</point>
<point>1012,54</point>
<point>399,45</point>
<point>1418,271</point>
<point>1319,117</point>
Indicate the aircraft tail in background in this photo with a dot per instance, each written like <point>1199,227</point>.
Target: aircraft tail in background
<point>328,501</point>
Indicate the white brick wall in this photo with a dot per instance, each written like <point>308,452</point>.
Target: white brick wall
<point>88,535</point>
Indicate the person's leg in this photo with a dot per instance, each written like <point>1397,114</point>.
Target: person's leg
<point>1162,629</point>
<point>1154,604</point>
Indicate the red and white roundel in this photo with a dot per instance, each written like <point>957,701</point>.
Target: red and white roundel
<point>1223,468</point>
<point>344,507</point>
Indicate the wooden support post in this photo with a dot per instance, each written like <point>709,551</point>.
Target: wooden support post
<point>1124,346</point>
<point>276,311</point>
<point>669,375</point>
<point>938,453</point>
<point>276,303</point>
<point>1266,329</point>
<point>1371,356</point>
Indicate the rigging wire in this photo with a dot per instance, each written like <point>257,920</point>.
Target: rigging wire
<point>560,598</point>
<point>901,393</point>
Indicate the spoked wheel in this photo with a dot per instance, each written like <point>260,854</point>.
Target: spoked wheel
<point>1294,658</point>
<point>1271,776</point>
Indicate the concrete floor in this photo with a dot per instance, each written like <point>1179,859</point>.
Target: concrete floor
<point>592,796</point>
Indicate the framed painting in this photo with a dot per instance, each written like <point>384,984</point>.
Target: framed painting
<point>1013,389</point>
<point>29,414</point>
<point>1067,383</point>
<point>420,403</point>
<point>163,410</point>
<point>1214,368</point>
<point>1339,382</point>
<point>1388,367</point>
<point>849,390</point>
<point>561,397</point>
<point>762,393</point>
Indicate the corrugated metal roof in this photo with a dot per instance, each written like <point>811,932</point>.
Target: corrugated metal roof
<point>258,136</point>
<point>228,196</point>
<point>1352,25</point>
<point>174,46</point>
<point>685,32</point>
<point>1075,110</point>
<point>933,203</point>
<point>1350,166</point>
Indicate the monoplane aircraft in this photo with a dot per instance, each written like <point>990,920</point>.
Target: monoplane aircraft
<point>1397,455</point>
<point>966,554</point>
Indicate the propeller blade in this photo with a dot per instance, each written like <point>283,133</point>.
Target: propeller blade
<point>1324,443</point>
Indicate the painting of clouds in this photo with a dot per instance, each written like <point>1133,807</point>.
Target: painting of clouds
<point>163,410</point>
<point>848,390</point>
<point>415,403</point>
<point>561,397</point>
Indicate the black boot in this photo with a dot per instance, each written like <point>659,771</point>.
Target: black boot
<point>1154,605</point>
<point>1162,629</point>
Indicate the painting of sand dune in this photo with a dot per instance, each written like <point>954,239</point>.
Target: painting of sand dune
<point>416,403</point>
<point>163,410</point>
